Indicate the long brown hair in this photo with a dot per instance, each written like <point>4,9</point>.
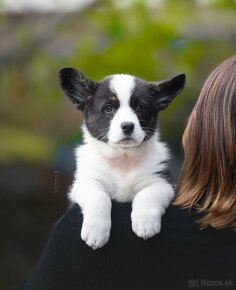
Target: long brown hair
<point>208,176</point>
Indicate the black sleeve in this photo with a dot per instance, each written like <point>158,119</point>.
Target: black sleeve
<point>67,263</point>
<point>44,273</point>
<point>179,253</point>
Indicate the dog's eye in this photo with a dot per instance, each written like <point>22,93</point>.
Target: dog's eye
<point>108,108</point>
<point>140,108</point>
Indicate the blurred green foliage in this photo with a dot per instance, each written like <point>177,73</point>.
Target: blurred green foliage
<point>16,143</point>
<point>151,41</point>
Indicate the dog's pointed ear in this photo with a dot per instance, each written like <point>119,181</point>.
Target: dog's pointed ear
<point>166,91</point>
<point>76,86</point>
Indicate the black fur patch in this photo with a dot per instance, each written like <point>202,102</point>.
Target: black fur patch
<point>145,107</point>
<point>165,91</point>
<point>76,86</point>
<point>153,97</point>
<point>166,175</point>
<point>96,120</point>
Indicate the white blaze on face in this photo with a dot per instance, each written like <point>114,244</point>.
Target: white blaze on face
<point>122,86</point>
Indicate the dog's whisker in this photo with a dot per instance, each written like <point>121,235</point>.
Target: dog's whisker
<point>103,130</point>
<point>148,135</point>
<point>103,138</point>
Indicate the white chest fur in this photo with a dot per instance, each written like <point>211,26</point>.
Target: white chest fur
<point>121,172</point>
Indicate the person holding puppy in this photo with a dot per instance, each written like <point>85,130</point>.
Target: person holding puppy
<point>197,244</point>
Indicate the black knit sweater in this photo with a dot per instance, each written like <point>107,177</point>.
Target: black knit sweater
<point>180,257</point>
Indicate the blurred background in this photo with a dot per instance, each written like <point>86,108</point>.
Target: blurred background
<point>39,127</point>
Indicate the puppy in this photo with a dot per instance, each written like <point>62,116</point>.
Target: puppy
<point>122,157</point>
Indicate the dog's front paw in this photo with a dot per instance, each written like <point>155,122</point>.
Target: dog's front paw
<point>96,232</point>
<point>145,225</point>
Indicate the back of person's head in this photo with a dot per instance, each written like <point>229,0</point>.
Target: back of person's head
<point>208,176</point>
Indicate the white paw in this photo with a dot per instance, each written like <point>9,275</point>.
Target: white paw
<point>96,232</point>
<point>145,225</point>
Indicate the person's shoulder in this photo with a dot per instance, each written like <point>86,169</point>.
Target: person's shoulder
<point>69,224</point>
<point>188,218</point>
<point>73,215</point>
<point>121,212</point>
<point>182,231</point>
<point>176,215</point>
<point>178,225</point>
<point>73,212</point>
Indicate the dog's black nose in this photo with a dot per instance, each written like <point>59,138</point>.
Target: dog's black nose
<point>127,128</point>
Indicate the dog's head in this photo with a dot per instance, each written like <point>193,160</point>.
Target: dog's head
<point>120,110</point>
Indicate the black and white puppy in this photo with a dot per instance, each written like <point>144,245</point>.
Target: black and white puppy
<point>122,157</point>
